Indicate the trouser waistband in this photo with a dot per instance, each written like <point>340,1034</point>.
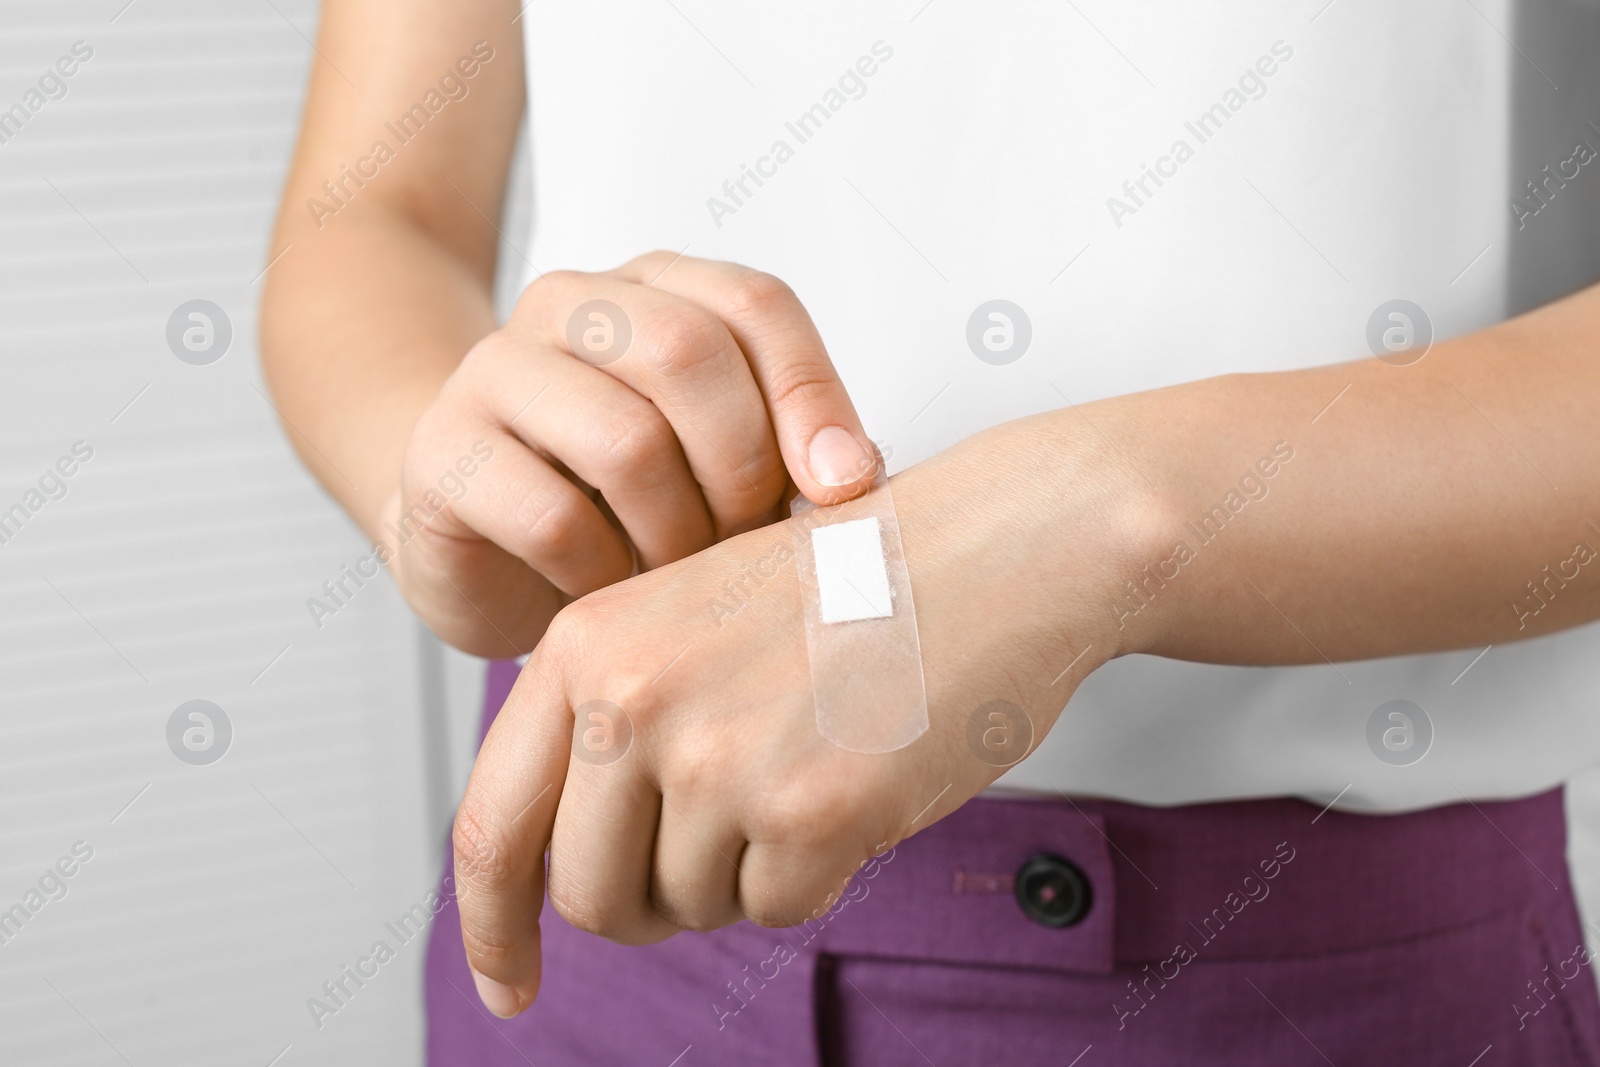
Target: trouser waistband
<point>1274,878</point>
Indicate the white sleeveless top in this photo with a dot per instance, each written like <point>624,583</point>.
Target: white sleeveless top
<point>1225,185</point>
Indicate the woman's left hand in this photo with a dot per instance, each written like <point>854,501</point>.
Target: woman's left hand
<point>697,791</point>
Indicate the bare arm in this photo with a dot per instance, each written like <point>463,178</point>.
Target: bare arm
<point>1406,517</point>
<point>1413,516</point>
<point>416,408</point>
<point>373,306</point>
<point>1405,513</point>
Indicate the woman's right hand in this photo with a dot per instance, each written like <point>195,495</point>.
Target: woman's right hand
<point>619,420</point>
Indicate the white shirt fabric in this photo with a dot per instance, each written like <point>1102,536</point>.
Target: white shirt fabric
<point>1362,152</point>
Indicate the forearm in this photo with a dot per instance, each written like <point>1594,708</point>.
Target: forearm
<point>358,333</point>
<point>1374,509</point>
<point>386,240</point>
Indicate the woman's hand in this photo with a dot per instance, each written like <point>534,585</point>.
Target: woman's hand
<point>630,419</point>
<point>698,792</point>
<point>1037,550</point>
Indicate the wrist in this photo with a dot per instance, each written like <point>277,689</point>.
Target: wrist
<point>1039,522</point>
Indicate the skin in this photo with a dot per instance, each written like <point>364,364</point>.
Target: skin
<point>380,345</point>
<point>1408,508</point>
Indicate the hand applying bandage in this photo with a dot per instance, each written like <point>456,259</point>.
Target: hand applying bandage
<point>704,792</point>
<point>631,418</point>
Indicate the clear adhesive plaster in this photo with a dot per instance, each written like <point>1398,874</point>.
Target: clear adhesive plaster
<point>861,625</point>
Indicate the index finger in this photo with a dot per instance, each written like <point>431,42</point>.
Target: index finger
<point>501,831</point>
<point>680,356</point>
<point>824,447</point>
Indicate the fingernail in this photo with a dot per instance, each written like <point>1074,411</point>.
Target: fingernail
<point>836,457</point>
<point>500,999</point>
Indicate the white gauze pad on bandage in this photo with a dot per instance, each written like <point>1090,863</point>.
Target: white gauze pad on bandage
<point>861,624</point>
<point>852,576</point>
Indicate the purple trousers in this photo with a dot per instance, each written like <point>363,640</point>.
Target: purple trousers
<point>1098,933</point>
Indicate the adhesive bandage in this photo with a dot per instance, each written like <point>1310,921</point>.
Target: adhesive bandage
<point>861,625</point>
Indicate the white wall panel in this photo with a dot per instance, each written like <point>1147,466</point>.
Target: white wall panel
<point>177,566</point>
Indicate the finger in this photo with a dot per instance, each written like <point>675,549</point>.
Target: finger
<point>604,837</point>
<point>786,884</point>
<point>826,451</point>
<point>611,437</point>
<point>696,878</point>
<point>501,831</point>
<point>683,359</point>
<point>475,595</point>
<point>525,506</point>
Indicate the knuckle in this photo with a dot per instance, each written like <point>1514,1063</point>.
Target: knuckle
<point>689,771</point>
<point>800,816</point>
<point>591,625</point>
<point>543,289</point>
<point>568,637</point>
<point>776,907</point>
<point>569,629</point>
<point>633,441</point>
<point>552,523</point>
<point>425,518</point>
<point>577,908</point>
<point>488,951</point>
<point>482,855</point>
<point>629,690</point>
<point>638,696</point>
<point>805,384</point>
<point>653,261</point>
<point>682,340</point>
<point>753,486</point>
<point>491,350</point>
<point>758,295</point>
<point>431,450</point>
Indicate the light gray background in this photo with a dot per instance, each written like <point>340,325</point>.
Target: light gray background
<point>219,898</point>
<point>178,567</point>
